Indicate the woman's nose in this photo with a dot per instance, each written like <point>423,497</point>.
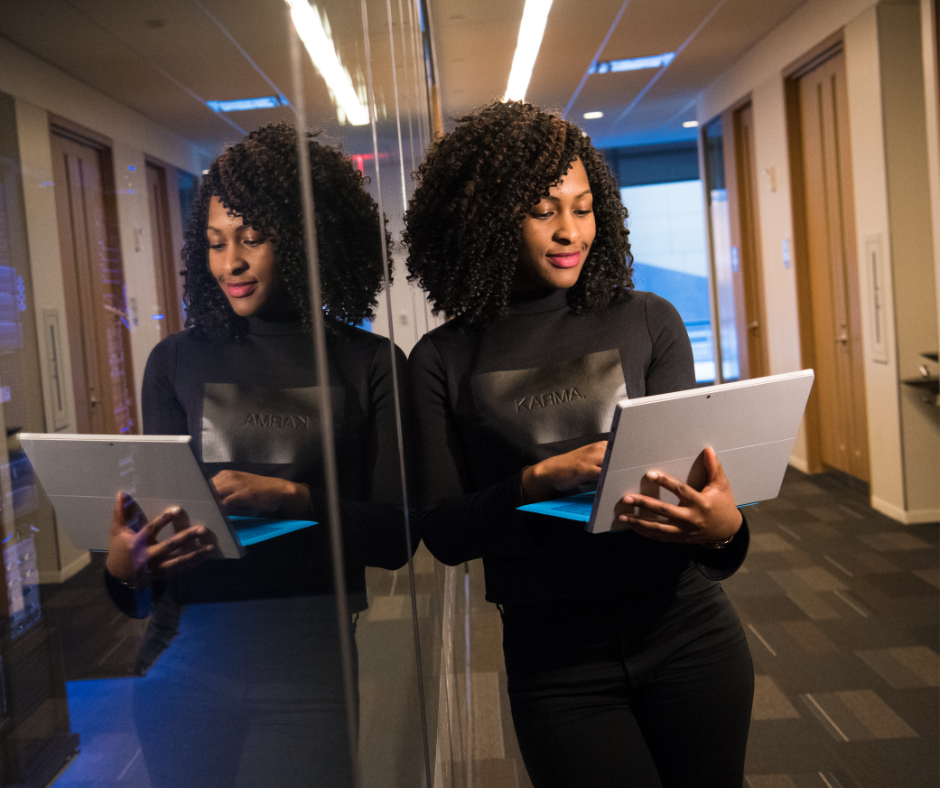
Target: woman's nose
<point>232,260</point>
<point>566,231</point>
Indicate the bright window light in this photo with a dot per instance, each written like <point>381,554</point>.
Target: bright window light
<point>320,47</point>
<point>531,31</point>
<point>593,115</point>
<point>632,64</point>
<point>690,124</point>
<point>240,105</point>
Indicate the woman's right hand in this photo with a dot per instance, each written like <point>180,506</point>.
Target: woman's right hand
<point>563,473</point>
<point>133,549</point>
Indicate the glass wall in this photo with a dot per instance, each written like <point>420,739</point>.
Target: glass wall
<point>670,257</point>
<point>314,658</point>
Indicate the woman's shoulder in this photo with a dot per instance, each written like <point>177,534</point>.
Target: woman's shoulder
<point>355,342</point>
<point>653,309</point>
<point>444,341</point>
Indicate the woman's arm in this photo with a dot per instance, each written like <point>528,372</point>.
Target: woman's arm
<point>374,531</point>
<point>137,565</point>
<point>456,526</point>
<point>705,518</point>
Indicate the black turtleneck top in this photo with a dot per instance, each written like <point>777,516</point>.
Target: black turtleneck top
<point>538,382</point>
<point>253,405</point>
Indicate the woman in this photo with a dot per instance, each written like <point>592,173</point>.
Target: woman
<point>627,665</point>
<point>250,691</point>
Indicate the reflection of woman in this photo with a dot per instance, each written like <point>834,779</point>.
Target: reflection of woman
<point>626,663</point>
<point>250,691</point>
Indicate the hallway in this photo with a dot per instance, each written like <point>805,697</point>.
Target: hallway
<point>840,606</point>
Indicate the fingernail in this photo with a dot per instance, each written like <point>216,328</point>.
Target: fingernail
<point>653,475</point>
<point>628,499</point>
<point>174,510</point>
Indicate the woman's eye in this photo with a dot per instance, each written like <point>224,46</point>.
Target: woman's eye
<point>540,214</point>
<point>216,247</point>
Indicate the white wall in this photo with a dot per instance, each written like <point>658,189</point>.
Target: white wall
<point>40,89</point>
<point>888,137</point>
<point>911,245</point>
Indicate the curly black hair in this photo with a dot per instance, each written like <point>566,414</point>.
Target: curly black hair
<point>463,227</point>
<point>259,180</point>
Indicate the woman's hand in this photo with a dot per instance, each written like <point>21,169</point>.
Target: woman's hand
<point>544,480</point>
<point>242,491</point>
<point>133,549</point>
<point>705,517</point>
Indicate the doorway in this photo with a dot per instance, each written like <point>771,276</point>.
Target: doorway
<point>830,314</point>
<point>728,147</point>
<point>746,268</point>
<point>166,270</point>
<point>93,277</point>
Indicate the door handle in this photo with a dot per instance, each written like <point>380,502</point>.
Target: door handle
<point>92,398</point>
<point>753,326</point>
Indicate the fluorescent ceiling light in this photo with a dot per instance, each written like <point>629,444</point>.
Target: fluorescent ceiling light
<point>632,64</point>
<point>690,124</point>
<point>593,115</point>
<point>531,31</point>
<point>240,105</point>
<point>323,54</point>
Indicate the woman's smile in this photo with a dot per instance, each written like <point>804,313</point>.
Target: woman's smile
<point>240,289</point>
<point>565,259</point>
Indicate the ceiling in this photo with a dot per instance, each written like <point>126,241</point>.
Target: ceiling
<point>476,41</point>
<point>165,58</point>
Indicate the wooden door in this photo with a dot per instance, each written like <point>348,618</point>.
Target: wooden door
<point>748,273</point>
<point>166,269</point>
<point>835,321</point>
<point>98,327</point>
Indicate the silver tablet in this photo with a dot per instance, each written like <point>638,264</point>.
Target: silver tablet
<point>751,425</point>
<point>82,475</point>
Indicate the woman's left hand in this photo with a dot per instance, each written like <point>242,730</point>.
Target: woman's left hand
<point>242,491</point>
<point>706,517</point>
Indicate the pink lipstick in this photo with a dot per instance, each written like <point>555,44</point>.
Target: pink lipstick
<point>565,260</point>
<point>240,289</point>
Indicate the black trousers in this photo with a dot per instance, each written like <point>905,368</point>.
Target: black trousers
<point>653,691</point>
<point>248,695</point>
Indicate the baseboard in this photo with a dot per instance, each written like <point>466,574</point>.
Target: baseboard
<point>912,517</point>
<point>800,464</point>
<point>69,570</point>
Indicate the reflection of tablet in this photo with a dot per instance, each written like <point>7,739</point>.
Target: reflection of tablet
<point>751,424</point>
<point>82,475</point>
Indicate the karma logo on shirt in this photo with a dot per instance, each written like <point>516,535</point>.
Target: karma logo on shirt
<point>550,398</point>
<point>556,402</point>
<point>277,421</point>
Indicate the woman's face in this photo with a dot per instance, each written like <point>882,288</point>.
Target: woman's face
<point>242,261</point>
<point>557,233</point>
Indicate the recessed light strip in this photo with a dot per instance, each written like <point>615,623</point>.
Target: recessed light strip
<point>240,105</point>
<point>632,64</point>
<point>320,47</point>
<point>531,31</point>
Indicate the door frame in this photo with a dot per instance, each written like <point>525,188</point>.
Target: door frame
<point>791,74</point>
<point>66,129</point>
<point>168,281</point>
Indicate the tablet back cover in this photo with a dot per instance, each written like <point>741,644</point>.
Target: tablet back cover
<point>751,424</point>
<point>82,475</point>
